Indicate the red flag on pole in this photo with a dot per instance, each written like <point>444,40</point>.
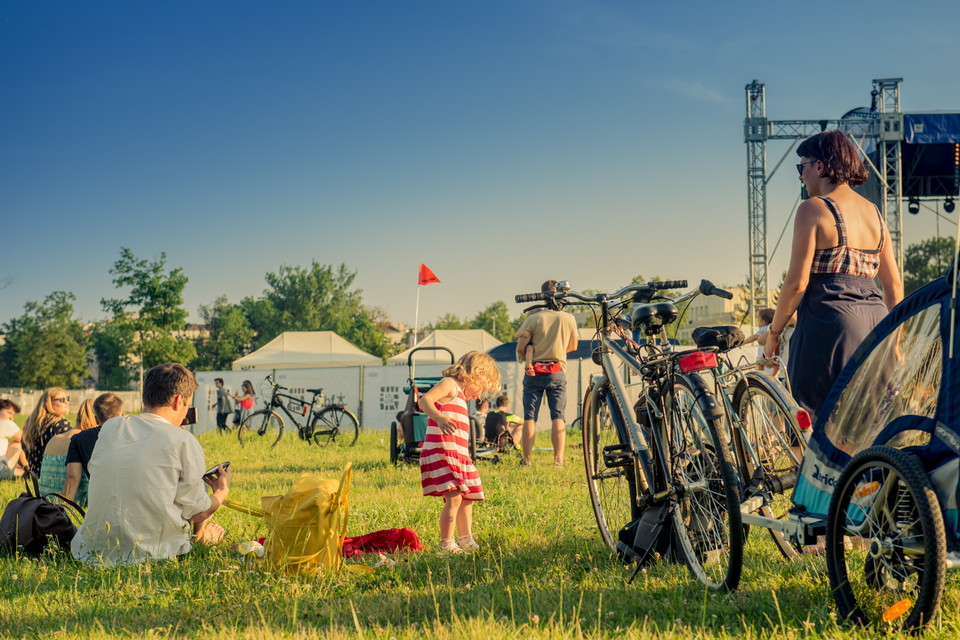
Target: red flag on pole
<point>427,276</point>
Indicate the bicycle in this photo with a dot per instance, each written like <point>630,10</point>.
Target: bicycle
<point>328,425</point>
<point>661,464</point>
<point>768,430</point>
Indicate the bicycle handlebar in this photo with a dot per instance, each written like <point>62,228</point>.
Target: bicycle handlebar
<point>276,385</point>
<point>706,288</point>
<point>648,286</point>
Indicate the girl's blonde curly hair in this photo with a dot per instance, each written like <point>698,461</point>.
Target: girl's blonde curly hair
<point>476,367</point>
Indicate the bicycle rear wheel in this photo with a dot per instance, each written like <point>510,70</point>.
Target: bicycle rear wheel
<point>335,426</point>
<point>775,437</point>
<point>706,516</point>
<point>612,489</point>
<point>261,428</point>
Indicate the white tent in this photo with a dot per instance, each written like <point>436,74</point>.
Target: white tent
<point>305,350</point>
<point>460,341</point>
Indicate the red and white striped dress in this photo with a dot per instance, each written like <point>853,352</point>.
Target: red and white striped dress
<point>445,463</point>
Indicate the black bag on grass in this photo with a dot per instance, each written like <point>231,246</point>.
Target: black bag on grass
<point>31,521</point>
<point>648,537</point>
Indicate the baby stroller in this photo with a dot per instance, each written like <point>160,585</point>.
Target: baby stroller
<point>406,440</point>
<point>880,475</point>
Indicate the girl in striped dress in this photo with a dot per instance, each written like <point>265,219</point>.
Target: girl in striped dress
<point>445,466</point>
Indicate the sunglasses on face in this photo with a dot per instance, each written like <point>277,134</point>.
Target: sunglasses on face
<point>803,164</point>
<point>63,400</point>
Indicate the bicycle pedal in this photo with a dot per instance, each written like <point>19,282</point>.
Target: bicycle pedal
<point>617,455</point>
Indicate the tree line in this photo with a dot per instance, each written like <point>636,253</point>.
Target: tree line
<point>147,324</point>
<point>48,346</point>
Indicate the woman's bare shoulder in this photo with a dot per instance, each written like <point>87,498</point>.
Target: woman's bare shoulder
<point>812,211</point>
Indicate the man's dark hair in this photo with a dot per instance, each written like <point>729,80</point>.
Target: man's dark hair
<point>551,285</point>
<point>840,158</point>
<point>220,380</point>
<point>106,406</point>
<point>164,382</point>
<point>7,404</point>
<point>502,400</point>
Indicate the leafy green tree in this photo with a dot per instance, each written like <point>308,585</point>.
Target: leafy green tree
<point>495,319</point>
<point>111,342</point>
<point>152,314</point>
<point>46,346</point>
<point>926,261</point>
<point>320,298</point>
<point>449,321</point>
<point>230,335</point>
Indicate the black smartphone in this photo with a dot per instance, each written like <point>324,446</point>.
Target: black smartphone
<point>190,418</point>
<point>212,471</point>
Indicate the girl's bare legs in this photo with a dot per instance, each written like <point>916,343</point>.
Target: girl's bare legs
<point>465,518</point>
<point>448,515</point>
<point>465,526</point>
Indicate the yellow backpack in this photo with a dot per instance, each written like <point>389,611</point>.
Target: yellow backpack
<point>307,524</point>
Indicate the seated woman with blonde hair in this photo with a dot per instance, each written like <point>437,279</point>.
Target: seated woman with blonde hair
<point>53,473</point>
<point>48,419</point>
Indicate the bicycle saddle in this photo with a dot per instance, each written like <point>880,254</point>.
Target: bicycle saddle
<point>650,317</point>
<point>724,338</point>
<point>315,391</point>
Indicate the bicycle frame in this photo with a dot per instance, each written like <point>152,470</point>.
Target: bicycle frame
<point>276,400</point>
<point>624,420</point>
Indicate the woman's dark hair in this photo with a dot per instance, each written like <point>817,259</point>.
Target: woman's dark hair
<point>838,155</point>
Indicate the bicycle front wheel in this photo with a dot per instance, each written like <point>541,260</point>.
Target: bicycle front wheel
<point>612,489</point>
<point>776,440</point>
<point>335,426</point>
<point>261,428</point>
<point>706,516</point>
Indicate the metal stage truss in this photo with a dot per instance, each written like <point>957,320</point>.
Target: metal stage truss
<point>885,130</point>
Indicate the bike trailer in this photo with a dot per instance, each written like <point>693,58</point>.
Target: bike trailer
<point>900,389</point>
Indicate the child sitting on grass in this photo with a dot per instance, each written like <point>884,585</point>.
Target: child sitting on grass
<point>446,469</point>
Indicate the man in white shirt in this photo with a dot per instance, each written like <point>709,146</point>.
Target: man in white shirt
<point>12,459</point>
<point>147,491</point>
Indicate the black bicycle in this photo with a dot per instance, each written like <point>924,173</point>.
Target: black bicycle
<point>322,425</point>
<point>659,463</point>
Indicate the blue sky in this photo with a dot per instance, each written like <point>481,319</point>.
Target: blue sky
<point>500,142</point>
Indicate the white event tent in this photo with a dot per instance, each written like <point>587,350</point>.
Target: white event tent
<point>305,350</point>
<point>459,341</point>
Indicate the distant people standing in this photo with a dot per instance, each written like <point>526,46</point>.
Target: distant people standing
<point>12,459</point>
<point>553,334</point>
<point>46,421</point>
<point>224,405</point>
<point>245,399</point>
<point>839,246</point>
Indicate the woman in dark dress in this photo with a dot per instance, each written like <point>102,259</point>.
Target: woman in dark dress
<point>840,244</point>
<point>47,420</point>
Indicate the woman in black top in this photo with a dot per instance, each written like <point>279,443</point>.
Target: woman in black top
<point>47,420</point>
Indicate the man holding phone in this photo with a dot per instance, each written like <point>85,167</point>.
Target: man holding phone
<point>147,492</point>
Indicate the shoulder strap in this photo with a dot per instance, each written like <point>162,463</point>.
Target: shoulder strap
<point>67,501</point>
<point>880,217</point>
<point>841,228</point>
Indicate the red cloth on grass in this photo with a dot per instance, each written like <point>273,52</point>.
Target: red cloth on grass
<point>387,540</point>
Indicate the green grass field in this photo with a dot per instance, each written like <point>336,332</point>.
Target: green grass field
<point>542,571</point>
